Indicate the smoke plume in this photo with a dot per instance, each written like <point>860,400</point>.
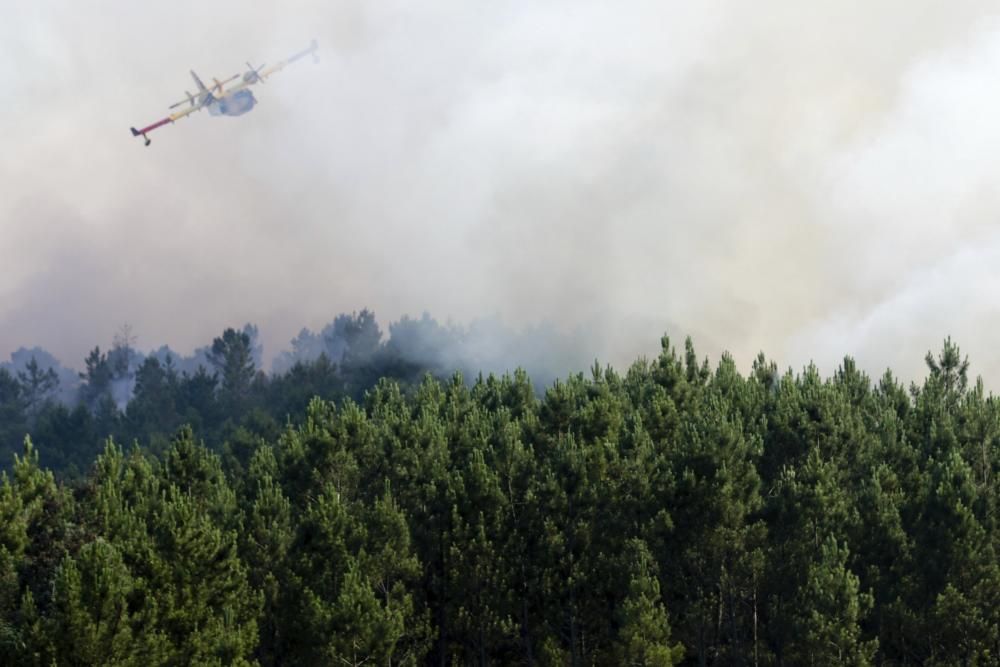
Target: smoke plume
<point>807,179</point>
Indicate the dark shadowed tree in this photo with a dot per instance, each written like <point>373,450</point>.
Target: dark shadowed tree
<point>232,358</point>
<point>96,378</point>
<point>13,420</point>
<point>37,386</point>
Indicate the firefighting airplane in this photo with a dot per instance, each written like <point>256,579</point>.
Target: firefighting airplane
<point>233,101</point>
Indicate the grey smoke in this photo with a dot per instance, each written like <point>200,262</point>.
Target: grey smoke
<point>413,346</point>
<point>807,179</point>
<point>69,379</point>
<point>483,347</point>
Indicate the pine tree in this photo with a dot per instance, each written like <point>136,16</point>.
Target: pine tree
<point>96,379</point>
<point>644,630</point>
<point>265,541</point>
<point>37,386</point>
<point>90,623</point>
<point>232,357</point>
<point>13,418</point>
<point>828,610</point>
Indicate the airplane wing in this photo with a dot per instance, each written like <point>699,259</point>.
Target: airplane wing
<point>277,67</point>
<point>177,115</point>
<point>200,98</point>
<point>240,86</point>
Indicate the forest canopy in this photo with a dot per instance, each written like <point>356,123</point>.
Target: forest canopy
<point>366,509</point>
<point>145,397</point>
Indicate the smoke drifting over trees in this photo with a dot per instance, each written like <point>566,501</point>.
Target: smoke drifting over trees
<point>486,346</point>
<point>131,394</point>
<point>810,179</point>
<point>806,178</point>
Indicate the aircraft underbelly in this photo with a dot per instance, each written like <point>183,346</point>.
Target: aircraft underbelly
<point>236,104</point>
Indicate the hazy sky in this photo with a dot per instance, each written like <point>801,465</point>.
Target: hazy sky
<point>810,179</point>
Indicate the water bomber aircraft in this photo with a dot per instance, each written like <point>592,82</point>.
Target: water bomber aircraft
<point>235,100</point>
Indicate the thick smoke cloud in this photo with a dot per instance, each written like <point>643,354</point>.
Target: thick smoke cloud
<point>425,345</point>
<point>810,179</point>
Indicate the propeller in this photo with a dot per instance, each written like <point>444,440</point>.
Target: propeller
<point>205,96</point>
<point>219,84</point>
<point>253,76</point>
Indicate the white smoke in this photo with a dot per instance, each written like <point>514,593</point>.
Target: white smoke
<point>807,179</point>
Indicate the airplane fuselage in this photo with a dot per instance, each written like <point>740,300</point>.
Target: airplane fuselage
<point>233,104</point>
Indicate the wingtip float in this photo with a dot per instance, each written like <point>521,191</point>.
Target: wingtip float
<point>221,101</point>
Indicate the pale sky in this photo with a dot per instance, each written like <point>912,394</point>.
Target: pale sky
<point>810,179</point>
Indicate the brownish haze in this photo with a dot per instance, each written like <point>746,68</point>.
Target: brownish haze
<point>810,179</point>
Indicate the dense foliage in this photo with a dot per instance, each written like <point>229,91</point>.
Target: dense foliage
<point>675,514</point>
<point>222,391</point>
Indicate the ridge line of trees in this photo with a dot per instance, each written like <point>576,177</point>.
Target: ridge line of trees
<point>220,389</point>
